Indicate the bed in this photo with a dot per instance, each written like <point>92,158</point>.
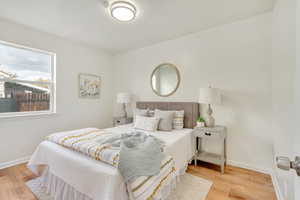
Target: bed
<point>72,175</point>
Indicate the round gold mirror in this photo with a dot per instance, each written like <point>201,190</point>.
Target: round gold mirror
<point>165,79</point>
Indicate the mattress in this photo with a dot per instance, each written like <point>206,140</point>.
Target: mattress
<point>98,180</point>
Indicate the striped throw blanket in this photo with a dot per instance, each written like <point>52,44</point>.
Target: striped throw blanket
<point>91,142</point>
<point>103,146</point>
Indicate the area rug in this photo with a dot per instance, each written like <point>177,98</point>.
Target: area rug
<point>35,186</point>
<point>190,187</point>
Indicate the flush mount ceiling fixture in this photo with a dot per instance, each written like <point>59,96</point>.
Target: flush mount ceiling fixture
<point>123,11</point>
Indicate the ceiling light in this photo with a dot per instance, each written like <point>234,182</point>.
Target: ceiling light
<point>123,11</point>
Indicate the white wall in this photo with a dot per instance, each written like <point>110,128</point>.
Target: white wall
<point>234,57</point>
<point>283,71</point>
<point>20,136</point>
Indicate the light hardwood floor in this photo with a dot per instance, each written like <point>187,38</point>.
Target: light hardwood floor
<point>235,184</point>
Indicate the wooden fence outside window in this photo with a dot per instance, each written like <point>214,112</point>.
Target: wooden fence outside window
<point>25,102</point>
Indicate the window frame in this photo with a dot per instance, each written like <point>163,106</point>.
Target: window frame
<point>52,83</point>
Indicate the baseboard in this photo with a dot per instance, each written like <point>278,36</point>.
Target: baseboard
<point>278,192</point>
<point>14,162</point>
<point>250,167</point>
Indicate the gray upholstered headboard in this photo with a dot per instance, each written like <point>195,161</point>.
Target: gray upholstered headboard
<point>191,109</point>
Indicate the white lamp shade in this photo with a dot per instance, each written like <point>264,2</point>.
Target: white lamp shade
<point>123,98</point>
<point>210,96</point>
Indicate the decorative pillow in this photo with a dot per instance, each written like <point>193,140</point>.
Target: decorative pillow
<point>146,123</point>
<point>150,113</point>
<point>166,119</point>
<point>178,120</point>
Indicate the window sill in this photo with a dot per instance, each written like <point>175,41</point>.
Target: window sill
<point>27,115</point>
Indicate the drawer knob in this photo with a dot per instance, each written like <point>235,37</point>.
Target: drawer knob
<point>208,134</point>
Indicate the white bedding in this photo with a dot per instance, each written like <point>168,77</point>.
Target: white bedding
<point>101,181</point>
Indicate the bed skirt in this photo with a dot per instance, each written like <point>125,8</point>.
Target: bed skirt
<point>60,190</point>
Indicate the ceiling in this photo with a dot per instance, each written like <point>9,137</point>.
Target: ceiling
<point>88,21</point>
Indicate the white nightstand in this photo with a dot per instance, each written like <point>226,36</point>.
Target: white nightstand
<point>122,121</point>
<point>214,133</point>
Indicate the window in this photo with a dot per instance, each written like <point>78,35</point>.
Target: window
<point>27,81</point>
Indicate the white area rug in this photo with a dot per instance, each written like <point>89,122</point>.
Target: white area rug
<point>190,188</point>
<point>37,190</point>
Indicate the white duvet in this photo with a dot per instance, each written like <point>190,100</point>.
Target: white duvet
<point>98,180</point>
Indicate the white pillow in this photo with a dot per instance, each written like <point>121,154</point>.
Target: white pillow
<point>178,120</point>
<point>166,119</point>
<point>146,123</point>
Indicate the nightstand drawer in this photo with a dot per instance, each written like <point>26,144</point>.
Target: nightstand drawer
<point>208,134</point>
<point>122,121</point>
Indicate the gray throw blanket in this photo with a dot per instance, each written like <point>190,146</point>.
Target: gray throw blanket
<point>140,155</point>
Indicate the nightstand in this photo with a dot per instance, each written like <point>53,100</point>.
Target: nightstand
<point>207,133</point>
<point>117,121</point>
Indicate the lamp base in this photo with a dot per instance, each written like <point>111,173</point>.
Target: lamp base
<point>209,120</point>
<point>124,110</point>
